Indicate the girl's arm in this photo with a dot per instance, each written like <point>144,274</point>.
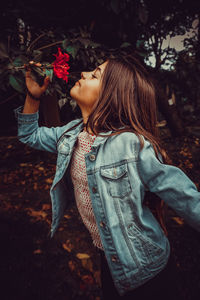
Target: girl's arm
<point>170,184</point>
<point>41,138</point>
<point>30,106</point>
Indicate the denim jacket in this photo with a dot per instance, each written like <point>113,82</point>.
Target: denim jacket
<point>118,175</point>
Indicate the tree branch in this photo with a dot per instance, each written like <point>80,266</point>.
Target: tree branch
<point>49,45</point>
<point>33,42</point>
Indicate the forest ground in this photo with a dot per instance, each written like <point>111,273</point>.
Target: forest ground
<point>66,267</point>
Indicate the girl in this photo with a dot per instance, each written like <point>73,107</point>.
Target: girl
<point>109,159</point>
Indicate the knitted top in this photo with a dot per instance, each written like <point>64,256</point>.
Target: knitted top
<point>81,189</point>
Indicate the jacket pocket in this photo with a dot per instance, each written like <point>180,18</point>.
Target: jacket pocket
<point>116,179</point>
<point>143,244</point>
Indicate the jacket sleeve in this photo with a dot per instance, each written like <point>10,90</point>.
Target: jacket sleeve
<point>41,138</point>
<point>170,184</point>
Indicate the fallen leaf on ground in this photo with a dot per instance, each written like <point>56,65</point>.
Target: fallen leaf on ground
<point>82,256</point>
<point>68,246</point>
<point>46,206</point>
<point>23,165</point>
<point>41,168</point>
<point>38,214</point>
<point>67,217</point>
<point>72,265</point>
<point>35,186</point>
<point>87,264</point>
<point>37,251</point>
<point>48,180</point>
<point>178,220</point>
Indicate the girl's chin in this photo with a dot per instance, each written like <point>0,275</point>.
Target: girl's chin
<point>73,91</point>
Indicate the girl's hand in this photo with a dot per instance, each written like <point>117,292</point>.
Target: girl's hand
<point>33,87</point>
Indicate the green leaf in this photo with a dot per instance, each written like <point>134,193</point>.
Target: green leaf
<point>49,73</point>
<point>37,70</point>
<point>139,43</point>
<point>72,50</point>
<point>65,43</point>
<point>16,83</point>
<point>20,61</point>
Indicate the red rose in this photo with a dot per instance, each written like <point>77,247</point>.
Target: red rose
<point>60,65</point>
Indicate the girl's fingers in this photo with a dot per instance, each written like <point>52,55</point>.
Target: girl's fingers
<point>28,73</point>
<point>31,83</point>
<point>45,84</point>
<point>26,67</point>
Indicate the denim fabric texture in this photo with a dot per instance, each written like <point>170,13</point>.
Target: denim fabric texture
<point>119,174</point>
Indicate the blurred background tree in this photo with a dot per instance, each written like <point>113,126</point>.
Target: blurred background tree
<point>92,30</point>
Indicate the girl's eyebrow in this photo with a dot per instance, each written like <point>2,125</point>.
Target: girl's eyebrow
<point>98,69</point>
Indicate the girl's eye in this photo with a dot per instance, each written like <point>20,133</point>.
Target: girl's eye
<point>93,76</point>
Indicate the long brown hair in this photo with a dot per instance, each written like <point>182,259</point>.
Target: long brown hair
<point>127,102</point>
<point>127,99</point>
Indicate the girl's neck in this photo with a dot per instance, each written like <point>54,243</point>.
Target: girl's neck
<point>89,131</point>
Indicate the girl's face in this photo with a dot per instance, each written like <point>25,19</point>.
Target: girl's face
<point>86,90</point>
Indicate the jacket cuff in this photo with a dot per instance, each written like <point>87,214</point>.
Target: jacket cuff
<point>25,118</point>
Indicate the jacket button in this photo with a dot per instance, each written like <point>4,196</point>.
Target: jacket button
<point>102,224</point>
<point>92,157</point>
<point>94,190</point>
<point>114,258</point>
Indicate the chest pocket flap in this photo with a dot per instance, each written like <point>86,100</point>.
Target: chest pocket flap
<point>117,180</point>
<point>114,172</point>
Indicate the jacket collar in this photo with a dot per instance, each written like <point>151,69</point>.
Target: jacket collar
<point>99,139</point>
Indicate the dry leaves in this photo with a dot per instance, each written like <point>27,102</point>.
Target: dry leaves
<point>68,246</point>
<point>37,214</point>
<point>37,251</point>
<point>178,220</point>
<point>82,256</point>
<point>87,264</point>
<point>72,265</point>
<point>67,217</point>
<point>46,206</point>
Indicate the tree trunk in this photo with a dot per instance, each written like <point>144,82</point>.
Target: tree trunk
<point>50,112</point>
<point>170,113</point>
